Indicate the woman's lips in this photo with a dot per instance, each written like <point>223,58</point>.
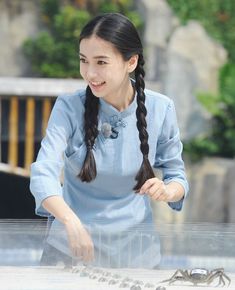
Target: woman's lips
<point>96,85</point>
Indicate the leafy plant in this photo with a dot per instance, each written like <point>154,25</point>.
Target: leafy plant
<point>122,6</point>
<point>220,141</point>
<point>53,53</point>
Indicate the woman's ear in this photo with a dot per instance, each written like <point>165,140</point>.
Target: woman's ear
<point>132,63</point>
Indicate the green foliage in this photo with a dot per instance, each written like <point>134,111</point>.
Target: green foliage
<point>53,53</point>
<point>122,6</point>
<point>200,147</point>
<point>217,16</point>
<point>221,139</point>
<point>50,9</point>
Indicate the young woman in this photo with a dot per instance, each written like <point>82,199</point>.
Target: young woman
<point>107,138</point>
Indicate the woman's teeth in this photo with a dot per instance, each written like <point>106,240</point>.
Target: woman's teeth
<point>97,83</point>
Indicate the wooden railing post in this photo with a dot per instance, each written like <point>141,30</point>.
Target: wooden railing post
<point>13,132</point>
<point>0,129</point>
<point>46,110</point>
<point>29,132</point>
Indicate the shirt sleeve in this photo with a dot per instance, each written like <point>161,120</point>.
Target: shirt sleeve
<point>169,154</point>
<point>46,170</point>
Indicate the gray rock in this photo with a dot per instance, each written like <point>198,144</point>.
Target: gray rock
<point>19,20</point>
<point>183,60</point>
<point>193,63</point>
<point>211,197</point>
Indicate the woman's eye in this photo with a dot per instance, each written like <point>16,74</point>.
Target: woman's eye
<point>83,60</point>
<point>101,62</point>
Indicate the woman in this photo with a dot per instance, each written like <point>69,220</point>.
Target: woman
<point>107,138</point>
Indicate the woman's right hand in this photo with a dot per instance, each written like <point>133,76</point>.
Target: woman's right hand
<point>80,241</point>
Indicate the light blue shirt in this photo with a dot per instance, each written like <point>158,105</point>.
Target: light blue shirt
<point>108,204</point>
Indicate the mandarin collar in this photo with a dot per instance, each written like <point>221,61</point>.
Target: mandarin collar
<point>112,111</point>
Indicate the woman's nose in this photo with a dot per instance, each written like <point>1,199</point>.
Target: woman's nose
<point>91,72</point>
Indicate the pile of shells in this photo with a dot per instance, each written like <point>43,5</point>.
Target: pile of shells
<point>103,276</point>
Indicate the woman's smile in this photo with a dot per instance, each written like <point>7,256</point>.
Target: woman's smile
<point>96,86</point>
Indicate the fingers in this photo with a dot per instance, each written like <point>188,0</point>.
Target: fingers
<point>83,252</point>
<point>155,188</point>
<point>80,244</point>
<point>159,194</point>
<point>88,253</point>
<point>147,185</point>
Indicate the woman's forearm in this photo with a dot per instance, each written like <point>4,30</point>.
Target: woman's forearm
<point>56,206</point>
<point>79,239</point>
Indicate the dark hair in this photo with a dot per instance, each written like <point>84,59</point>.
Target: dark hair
<point>118,30</point>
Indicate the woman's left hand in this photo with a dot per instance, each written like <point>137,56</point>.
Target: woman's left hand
<point>156,189</point>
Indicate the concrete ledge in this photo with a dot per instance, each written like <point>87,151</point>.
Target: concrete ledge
<point>43,87</point>
<point>46,87</point>
<point>14,170</point>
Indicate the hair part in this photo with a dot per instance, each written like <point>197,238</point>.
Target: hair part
<point>120,31</point>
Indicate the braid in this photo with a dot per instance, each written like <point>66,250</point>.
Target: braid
<point>88,171</point>
<point>145,172</point>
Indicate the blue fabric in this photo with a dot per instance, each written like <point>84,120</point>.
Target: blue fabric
<point>109,201</point>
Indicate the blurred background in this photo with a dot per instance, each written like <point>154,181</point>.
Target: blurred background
<point>190,57</point>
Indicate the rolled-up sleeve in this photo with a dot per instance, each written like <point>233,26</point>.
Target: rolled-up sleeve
<point>169,154</point>
<point>45,176</point>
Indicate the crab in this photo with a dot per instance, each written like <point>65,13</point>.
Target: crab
<point>199,276</point>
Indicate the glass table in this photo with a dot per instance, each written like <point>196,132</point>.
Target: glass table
<point>196,250</point>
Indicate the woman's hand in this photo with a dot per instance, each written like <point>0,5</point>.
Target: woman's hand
<point>80,241</point>
<point>159,191</point>
<point>156,189</point>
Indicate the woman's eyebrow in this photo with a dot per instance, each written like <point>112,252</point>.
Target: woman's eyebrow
<point>97,56</point>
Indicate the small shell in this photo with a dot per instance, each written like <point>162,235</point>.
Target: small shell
<point>84,274</point>
<point>113,282</point>
<point>148,285</point>
<point>135,287</point>
<point>75,270</point>
<point>127,279</point>
<point>138,282</point>
<point>97,271</point>
<point>124,285</point>
<point>103,279</point>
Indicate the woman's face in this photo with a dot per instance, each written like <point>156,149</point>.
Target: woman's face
<point>103,67</point>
